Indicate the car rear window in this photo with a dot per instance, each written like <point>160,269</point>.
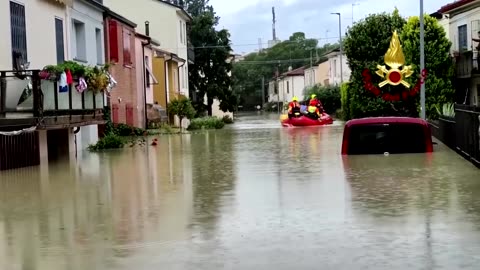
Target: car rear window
<point>396,138</point>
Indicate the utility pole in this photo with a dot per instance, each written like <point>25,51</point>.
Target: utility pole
<point>422,62</point>
<point>341,46</point>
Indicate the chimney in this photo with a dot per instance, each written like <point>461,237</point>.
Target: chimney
<point>147,28</point>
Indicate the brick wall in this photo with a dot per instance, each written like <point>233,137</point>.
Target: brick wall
<point>124,95</point>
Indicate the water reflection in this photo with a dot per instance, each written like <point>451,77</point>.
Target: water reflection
<point>251,196</point>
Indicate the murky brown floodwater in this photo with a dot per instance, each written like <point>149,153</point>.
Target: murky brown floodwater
<point>252,196</point>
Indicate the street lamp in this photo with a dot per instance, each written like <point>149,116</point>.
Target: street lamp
<point>422,62</point>
<point>354,4</point>
<point>341,46</point>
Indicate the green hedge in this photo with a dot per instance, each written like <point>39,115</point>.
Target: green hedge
<point>328,95</point>
<point>206,123</point>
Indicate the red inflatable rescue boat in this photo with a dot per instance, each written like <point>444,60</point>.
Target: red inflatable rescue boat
<point>304,121</point>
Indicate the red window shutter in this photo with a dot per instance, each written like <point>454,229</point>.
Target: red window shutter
<point>127,57</point>
<point>113,40</point>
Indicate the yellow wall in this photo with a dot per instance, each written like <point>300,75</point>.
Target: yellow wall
<point>173,86</point>
<point>159,91</point>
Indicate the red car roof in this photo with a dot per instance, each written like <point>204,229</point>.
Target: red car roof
<point>385,120</point>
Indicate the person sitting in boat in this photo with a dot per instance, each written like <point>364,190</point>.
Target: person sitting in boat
<point>313,112</point>
<point>314,101</point>
<point>294,108</point>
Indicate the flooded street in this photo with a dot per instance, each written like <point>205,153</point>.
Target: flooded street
<point>251,196</point>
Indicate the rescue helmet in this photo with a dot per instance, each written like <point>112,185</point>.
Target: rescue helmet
<point>313,96</point>
<point>295,98</point>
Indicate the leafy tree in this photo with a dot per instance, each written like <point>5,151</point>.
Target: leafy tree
<point>365,46</point>
<point>295,52</point>
<point>210,74</point>
<point>328,95</point>
<point>438,85</point>
<point>181,107</point>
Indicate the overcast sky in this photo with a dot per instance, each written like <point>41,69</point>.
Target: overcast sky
<point>249,20</point>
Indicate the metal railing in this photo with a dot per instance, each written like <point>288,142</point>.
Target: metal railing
<point>464,64</point>
<point>467,120</point>
<point>25,92</point>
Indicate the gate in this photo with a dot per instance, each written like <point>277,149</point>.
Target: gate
<point>468,132</point>
<point>18,151</point>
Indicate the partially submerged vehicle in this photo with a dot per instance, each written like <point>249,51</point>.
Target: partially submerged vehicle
<point>386,135</point>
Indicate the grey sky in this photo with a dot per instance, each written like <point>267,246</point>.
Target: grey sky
<point>249,20</point>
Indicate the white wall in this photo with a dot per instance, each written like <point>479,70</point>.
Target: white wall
<point>310,76</point>
<point>92,17</point>
<point>164,27</point>
<point>461,19</point>
<point>291,86</point>
<point>334,70</point>
<point>40,24</point>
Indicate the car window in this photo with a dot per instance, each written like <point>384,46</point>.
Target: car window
<point>391,138</point>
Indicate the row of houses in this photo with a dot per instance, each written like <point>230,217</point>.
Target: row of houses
<point>325,72</point>
<point>461,21</point>
<point>146,44</point>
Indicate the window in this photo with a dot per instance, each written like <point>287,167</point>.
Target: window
<point>80,41</point>
<point>59,41</point>
<point>288,87</point>
<point>98,39</point>
<point>391,138</point>
<point>184,30</point>
<point>127,49</point>
<point>334,68</point>
<point>147,73</point>
<point>175,81</point>
<point>113,41</point>
<point>18,35</point>
<point>180,77</point>
<point>181,32</point>
<point>462,38</point>
<point>185,76</point>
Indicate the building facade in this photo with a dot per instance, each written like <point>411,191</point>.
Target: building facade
<point>463,19</point>
<point>336,67</point>
<point>168,25</point>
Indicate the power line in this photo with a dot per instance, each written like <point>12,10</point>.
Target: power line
<point>245,44</point>
<point>271,61</point>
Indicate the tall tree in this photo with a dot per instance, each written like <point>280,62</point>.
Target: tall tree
<point>439,88</point>
<point>365,47</point>
<point>295,52</point>
<point>210,74</point>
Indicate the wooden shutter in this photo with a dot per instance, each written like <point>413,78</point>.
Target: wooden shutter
<point>127,50</point>
<point>113,40</point>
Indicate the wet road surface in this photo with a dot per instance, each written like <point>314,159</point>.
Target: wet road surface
<point>251,196</point>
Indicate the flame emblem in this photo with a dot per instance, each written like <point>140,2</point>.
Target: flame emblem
<point>395,59</point>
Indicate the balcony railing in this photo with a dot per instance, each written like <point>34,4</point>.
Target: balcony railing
<point>25,96</point>
<point>466,64</point>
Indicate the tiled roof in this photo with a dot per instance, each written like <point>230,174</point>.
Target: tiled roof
<point>454,5</point>
<point>296,72</point>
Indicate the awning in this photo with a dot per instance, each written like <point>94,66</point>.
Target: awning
<point>155,81</point>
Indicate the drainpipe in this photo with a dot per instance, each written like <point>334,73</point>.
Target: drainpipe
<point>147,33</point>
<point>167,59</point>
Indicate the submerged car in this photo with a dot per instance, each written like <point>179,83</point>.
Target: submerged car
<point>386,135</point>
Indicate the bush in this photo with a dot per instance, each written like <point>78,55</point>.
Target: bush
<point>227,119</point>
<point>126,130</point>
<point>181,107</point>
<point>110,141</point>
<point>328,95</point>
<point>206,123</point>
<point>345,102</point>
